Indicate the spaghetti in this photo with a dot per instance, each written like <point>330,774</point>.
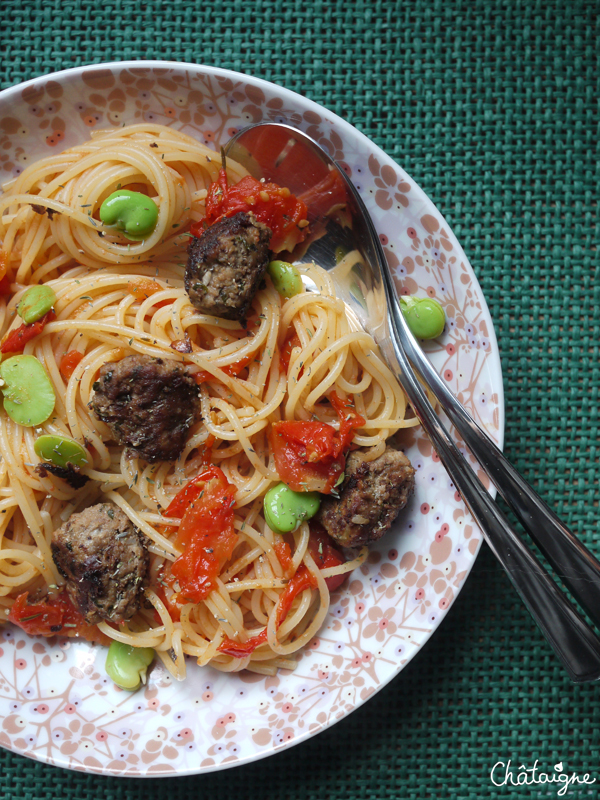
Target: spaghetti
<point>117,298</point>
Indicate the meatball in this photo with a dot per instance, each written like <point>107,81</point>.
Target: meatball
<point>372,494</point>
<point>104,561</point>
<point>226,264</point>
<point>148,403</point>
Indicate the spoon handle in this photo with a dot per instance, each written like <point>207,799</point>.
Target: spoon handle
<point>571,638</point>
<point>574,563</point>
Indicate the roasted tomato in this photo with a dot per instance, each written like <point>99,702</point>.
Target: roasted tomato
<point>284,555</point>
<point>230,369</point>
<point>16,340</point>
<point>310,456</point>
<point>206,533</point>
<point>5,289</point>
<point>53,616</point>
<point>325,555</point>
<point>272,205</point>
<point>69,362</point>
<point>303,454</point>
<point>291,341</point>
<point>349,420</point>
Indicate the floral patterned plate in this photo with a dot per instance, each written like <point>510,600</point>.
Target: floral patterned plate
<point>56,703</point>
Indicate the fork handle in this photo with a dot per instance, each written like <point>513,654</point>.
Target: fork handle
<point>577,567</point>
<point>571,638</point>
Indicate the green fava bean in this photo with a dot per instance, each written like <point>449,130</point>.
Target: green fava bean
<point>425,317</point>
<point>286,278</point>
<point>60,450</point>
<point>28,394</point>
<point>340,254</point>
<point>126,666</point>
<point>133,213</point>
<point>286,509</point>
<point>35,303</point>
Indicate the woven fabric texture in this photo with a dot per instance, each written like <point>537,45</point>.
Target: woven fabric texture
<point>492,107</point>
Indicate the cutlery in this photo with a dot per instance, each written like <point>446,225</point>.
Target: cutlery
<point>371,300</point>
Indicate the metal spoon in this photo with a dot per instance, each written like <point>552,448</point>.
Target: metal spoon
<point>292,159</point>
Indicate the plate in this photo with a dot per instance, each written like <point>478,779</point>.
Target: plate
<point>56,703</point>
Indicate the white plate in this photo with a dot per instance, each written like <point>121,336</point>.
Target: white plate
<point>56,703</point>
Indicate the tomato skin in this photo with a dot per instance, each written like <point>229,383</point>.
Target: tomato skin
<point>280,211</point>
<point>242,649</point>
<point>302,580</point>
<point>5,289</point>
<point>349,419</point>
<point>53,616</point>
<point>37,619</point>
<point>3,263</point>
<point>206,534</point>
<point>69,362</point>
<point>16,340</point>
<point>143,288</point>
<point>325,555</point>
<point>230,369</point>
<point>328,194</point>
<point>187,495</point>
<point>284,555</point>
<point>170,601</point>
<point>207,451</point>
<point>190,492</point>
<point>292,340</point>
<point>313,441</point>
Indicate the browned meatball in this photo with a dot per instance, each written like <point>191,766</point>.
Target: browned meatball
<point>372,494</point>
<point>103,558</point>
<point>148,403</point>
<point>226,264</point>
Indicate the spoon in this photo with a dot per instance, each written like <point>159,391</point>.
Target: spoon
<point>292,159</point>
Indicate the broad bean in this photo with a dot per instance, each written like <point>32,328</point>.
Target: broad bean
<point>133,213</point>
<point>60,450</point>
<point>126,666</point>
<point>425,317</point>
<point>286,509</point>
<point>286,278</point>
<point>28,393</point>
<point>36,303</point>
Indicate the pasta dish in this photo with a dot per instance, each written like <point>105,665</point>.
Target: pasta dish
<point>195,449</point>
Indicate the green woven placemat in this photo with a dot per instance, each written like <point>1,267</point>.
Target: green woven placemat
<point>493,108</point>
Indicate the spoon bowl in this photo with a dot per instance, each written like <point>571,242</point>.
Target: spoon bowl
<point>342,244</point>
